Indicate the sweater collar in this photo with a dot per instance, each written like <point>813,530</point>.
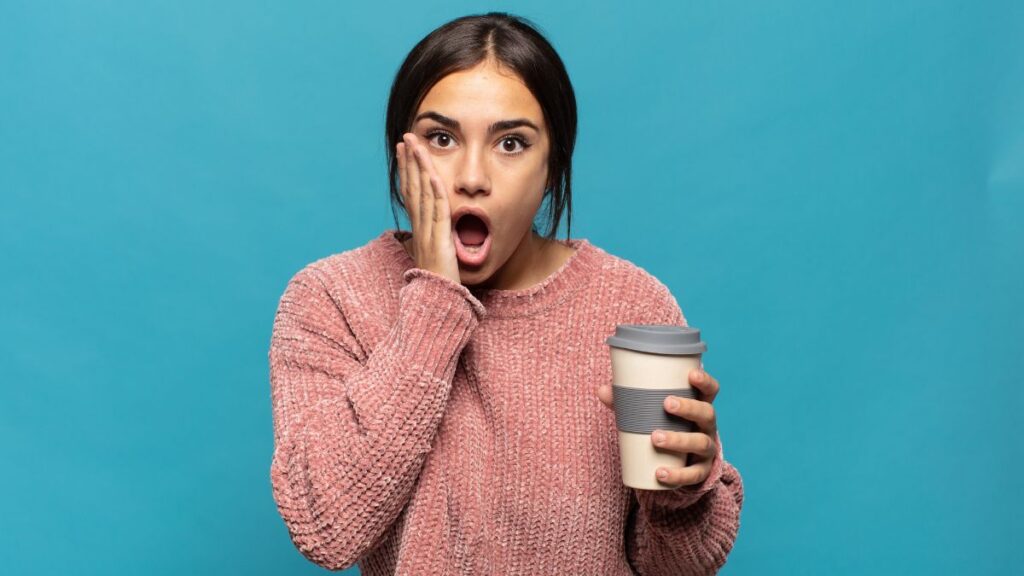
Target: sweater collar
<point>572,275</point>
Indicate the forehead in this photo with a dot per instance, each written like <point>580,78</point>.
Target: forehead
<point>481,95</point>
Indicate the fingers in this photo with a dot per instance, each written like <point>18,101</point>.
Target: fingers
<point>411,186</point>
<point>429,193</point>
<point>687,475</point>
<point>433,190</point>
<point>707,385</point>
<point>699,379</point>
<point>421,214</point>
<point>699,444</point>
<point>431,216</point>
<point>685,442</point>
<point>441,207</point>
<point>402,153</point>
<point>426,199</point>
<point>698,411</point>
<point>693,442</point>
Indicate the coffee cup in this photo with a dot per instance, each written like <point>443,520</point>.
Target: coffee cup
<point>649,363</point>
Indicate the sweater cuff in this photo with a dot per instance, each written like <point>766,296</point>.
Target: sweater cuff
<point>439,282</point>
<point>436,319</point>
<point>412,367</point>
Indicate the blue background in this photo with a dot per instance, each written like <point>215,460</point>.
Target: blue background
<point>834,194</point>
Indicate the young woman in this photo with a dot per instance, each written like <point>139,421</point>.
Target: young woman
<point>441,397</point>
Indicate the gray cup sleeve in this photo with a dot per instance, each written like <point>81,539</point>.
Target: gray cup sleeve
<point>642,411</point>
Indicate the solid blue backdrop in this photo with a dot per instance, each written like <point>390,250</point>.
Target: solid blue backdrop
<point>833,194</point>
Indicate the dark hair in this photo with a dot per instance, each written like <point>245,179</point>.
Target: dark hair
<point>516,44</point>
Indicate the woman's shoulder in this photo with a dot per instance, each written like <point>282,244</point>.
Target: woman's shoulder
<point>349,264</point>
<point>356,274</point>
<point>620,270</point>
<point>631,282</point>
<point>342,297</point>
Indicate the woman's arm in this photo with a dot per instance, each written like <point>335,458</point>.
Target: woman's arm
<point>692,529</point>
<point>351,430</point>
<point>689,530</point>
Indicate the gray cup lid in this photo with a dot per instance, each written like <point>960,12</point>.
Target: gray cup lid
<point>657,339</point>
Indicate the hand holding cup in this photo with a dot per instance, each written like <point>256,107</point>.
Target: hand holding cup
<point>701,445</point>
<point>662,398</point>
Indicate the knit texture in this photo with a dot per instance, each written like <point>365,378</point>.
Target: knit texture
<point>422,427</point>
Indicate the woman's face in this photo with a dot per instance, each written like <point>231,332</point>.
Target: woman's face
<point>502,172</point>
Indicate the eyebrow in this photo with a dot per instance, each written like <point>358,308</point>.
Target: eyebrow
<point>496,127</point>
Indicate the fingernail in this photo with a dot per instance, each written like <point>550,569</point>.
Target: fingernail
<point>659,438</point>
<point>698,376</point>
<point>662,474</point>
<point>673,404</point>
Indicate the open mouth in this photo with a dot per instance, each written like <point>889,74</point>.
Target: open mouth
<point>472,240</point>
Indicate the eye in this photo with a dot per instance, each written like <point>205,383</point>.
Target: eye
<point>445,140</point>
<point>444,137</point>
<point>514,139</point>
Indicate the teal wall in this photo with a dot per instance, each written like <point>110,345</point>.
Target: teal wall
<point>834,194</point>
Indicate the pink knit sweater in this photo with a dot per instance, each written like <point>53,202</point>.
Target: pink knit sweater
<point>422,427</point>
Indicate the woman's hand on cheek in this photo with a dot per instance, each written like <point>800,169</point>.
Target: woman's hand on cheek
<point>426,198</point>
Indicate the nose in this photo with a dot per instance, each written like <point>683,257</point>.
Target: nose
<point>471,176</point>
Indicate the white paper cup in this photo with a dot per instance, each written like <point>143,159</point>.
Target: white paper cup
<point>650,362</point>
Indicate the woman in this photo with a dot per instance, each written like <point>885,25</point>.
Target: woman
<point>441,397</point>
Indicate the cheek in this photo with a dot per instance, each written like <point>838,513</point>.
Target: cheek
<point>445,170</point>
<point>528,190</point>
<point>529,181</point>
<point>532,190</point>
<point>515,219</point>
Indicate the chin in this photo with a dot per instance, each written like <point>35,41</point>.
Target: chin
<point>474,278</point>
<point>480,276</point>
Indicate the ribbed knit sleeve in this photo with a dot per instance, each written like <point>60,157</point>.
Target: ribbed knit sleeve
<point>352,427</point>
<point>692,529</point>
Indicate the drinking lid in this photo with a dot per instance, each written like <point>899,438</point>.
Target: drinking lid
<point>657,339</point>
